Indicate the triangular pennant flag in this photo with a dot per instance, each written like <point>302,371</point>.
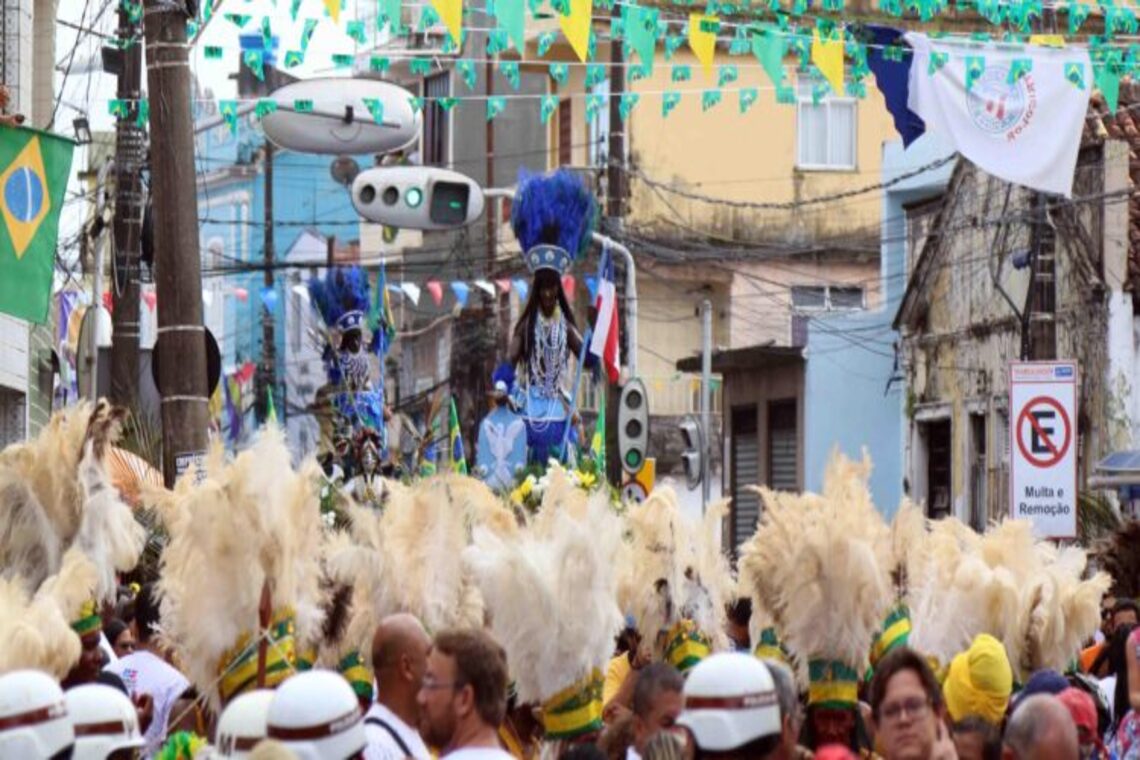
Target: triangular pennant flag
<point>212,52</point>
<point>238,19</point>
<point>669,101</point>
<point>1075,73</point>
<point>594,104</point>
<point>702,38</point>
<point>255,61</point>
<point>228,110</point>
<point>412,291</point>
<point>390,12</point>
<point>545,42</point>
<point>303,105</point>
<point>511,15</point>
<point>504,286</point>
<point>355,30</point>
<point>461,291</point>
<point>451,13</point>
<point>549,105</point>
<point>768,47</point>
<point>673,43</point>
<point>937,61</point>
<point>726,75</point>
<point>307,32</point>
<point>294,8</point>
<point>627,103</point>
<point>1078,14</point>
<point>496,104</point>
<point>559,72</point>
<point>510,71</point>
<point>641,32</point>
<point>342,60</point>
<point>748,96</point>
<point>709,98</point>
<point>975,67</point>
<point>1018,68</point>
<point>420,66</point>
<point>265,106</point>
<point>576,26</point>
<point>294,58</point>
<point>375,109</point>
<point>521,288</point>
<point>332,7</point>
<point>1107,79</point>
<point>486,287</point>
<point>466,69</point>
<point>266,33</point>
<point>595,74</point>
<point>827,55</point>
<point>379,64</point>
<point>681,72</point>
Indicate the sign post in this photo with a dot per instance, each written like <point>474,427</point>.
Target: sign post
<point>1043,446</point>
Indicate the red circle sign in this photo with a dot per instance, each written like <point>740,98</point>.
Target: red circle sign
<point>1055,451</point>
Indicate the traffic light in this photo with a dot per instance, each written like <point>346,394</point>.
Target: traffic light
<point>694,455</point>
<point>417,197</point>
<point>633,426</point>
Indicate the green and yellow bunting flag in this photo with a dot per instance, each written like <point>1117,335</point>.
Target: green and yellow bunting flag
<point>33,179</point>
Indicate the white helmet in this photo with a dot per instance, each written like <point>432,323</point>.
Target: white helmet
<point>730,700</point>
<point>104,719</point>
<point>33,716</point>
<point>243,724</point>
<point>316,715</point>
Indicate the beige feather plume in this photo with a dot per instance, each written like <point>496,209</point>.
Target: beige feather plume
<point>817,558</point>
<point>674,568</point>
<point>250,520</point>
<point>426,533</point>
<point>55,491</point>
<point>552,595</point>
<point>35,632</point>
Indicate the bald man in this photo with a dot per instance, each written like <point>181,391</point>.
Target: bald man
<point>399,657</point>
<point>1041,728</point>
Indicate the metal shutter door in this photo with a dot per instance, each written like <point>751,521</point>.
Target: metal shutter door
<point>745,472</point>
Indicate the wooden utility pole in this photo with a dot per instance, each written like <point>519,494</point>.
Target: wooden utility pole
<point>268,347</point>
<point>178,265</point>
<point>130,149</point>
<point>615,177</point>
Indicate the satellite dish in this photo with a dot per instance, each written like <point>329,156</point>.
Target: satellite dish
<point>94,318</point>
<point>344,170</point>
<point>213,364</point>
<point>336,118</point>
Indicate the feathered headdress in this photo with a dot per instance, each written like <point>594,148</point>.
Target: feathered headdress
<point>676,581</point>
<point>816,558</point>
<point>242,567</point>
<point>427,532</point>
<point>903,552</point>
<point>552,599</point>
<point>56,492</point>
<point>553,217</point>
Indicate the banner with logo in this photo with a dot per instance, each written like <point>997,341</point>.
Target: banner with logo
<point>1015,113</point>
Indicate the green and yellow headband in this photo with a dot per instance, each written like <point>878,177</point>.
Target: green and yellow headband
<point>239,666</point>
<point>575,711</point>
<point>832,684</point>
<point>686,645</point>
<point>357,674</point>
<point>88,620</point>
<point>895,633</point>
<point>769,646</point>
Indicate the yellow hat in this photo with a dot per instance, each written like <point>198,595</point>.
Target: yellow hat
<point>980,681</point>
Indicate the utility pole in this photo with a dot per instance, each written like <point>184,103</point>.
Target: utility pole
<point>268,347</point>
<point>706,399</point>
<point>129,152</point>
<point>178,265</point>
<point>615,178</point>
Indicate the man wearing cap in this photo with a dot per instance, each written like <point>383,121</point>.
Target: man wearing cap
<point>979,682</point>
<point>1083,710</point>
<point>731,709</point>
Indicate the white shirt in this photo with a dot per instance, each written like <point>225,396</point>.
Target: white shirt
<point>144,673</point>
<point>631,753</point>
<point>381,745</point>
<point>479,753</point>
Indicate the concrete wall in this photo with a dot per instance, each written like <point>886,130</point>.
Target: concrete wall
<point>850,357</point>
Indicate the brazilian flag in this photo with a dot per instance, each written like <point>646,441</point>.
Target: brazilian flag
<point>34,167</point>
<point>458,460</point>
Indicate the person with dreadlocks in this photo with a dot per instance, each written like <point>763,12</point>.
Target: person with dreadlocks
<point>552,217</point>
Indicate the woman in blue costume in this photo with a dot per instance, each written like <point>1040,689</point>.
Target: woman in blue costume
<point>553,217</point>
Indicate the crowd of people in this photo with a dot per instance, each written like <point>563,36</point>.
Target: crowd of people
<point>451,623</point>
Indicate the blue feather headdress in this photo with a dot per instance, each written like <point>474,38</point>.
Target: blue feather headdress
<point>553,218</point>
<point>504,375</point>
<point>343,299</point>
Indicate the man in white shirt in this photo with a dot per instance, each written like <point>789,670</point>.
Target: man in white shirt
<point>463,696</point>
<point>399,657</point>
<point>145,671</point>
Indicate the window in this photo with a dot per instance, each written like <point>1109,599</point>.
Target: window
<point>565,132</point>
<point>825,131</point>
<point>979,481</point>
<point>782,446</point>
<point>436,145</point>
<point>936,437</point>
<point>745,452</point>
<point>598,128</point>
<point>827,297</point>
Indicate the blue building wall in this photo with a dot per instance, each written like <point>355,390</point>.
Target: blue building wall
<point>851,402</point>
<point>304,196</point>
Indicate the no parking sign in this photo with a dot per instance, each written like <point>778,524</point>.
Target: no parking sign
<point>1043,446</point>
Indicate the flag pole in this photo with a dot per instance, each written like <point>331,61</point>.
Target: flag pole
<point>577,386</point>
